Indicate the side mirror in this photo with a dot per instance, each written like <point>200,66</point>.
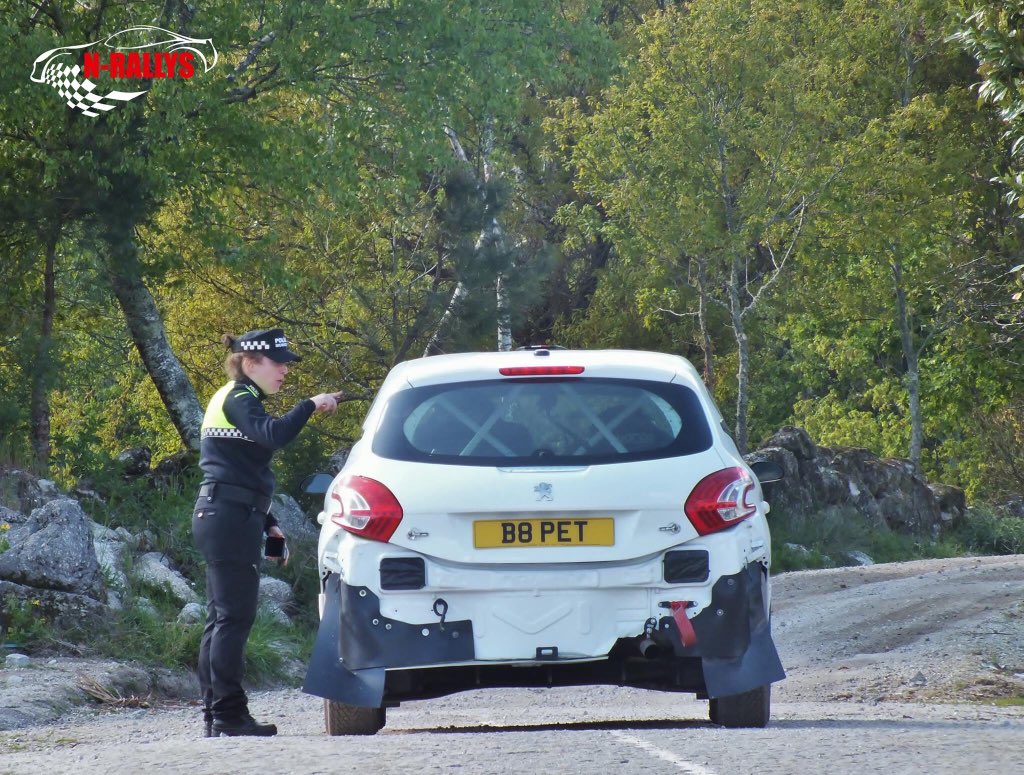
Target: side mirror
<point>316,484</point>
<point>767,471</point>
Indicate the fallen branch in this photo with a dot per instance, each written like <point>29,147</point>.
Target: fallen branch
<point>108,696</point>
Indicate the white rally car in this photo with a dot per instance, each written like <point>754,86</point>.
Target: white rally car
<point>543,517</point>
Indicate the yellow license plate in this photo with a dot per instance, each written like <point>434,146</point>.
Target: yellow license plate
<point>585,531</point>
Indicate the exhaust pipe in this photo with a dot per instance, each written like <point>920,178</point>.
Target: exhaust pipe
<point>648,648</point>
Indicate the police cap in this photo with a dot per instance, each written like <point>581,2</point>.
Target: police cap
<point>271,343</point>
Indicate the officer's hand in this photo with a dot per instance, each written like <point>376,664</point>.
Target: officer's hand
<point>276,531</point>
<point>327,402</point>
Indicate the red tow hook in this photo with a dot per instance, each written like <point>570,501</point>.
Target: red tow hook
<point>686,634</point>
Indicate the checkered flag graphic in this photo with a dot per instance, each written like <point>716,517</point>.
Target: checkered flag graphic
<point>81,93</point>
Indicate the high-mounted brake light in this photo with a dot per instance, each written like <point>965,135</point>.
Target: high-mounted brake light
<point>539,371</point>
<point>365,507</point>
<point>720,500</point>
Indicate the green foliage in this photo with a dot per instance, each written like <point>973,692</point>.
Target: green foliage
<point>987,532</point>
<point>139,636</point>
<point>991,33</point>
<point>824,539</point>
<point>23,624</point>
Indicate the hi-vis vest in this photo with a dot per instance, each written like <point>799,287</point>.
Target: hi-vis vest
<point>215,423</point>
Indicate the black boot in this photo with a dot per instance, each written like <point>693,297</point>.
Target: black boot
<point>244,725</point>
<point>207,723</point>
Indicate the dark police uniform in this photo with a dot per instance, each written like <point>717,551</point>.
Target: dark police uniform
<point>230,518</point>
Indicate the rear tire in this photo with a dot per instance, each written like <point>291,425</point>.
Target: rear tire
<point>750,709</point>
<point>342,719</point>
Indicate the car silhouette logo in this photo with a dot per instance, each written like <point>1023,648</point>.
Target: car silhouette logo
<point>59,69</point>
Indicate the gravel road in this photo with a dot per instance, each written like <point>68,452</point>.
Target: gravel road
<point>892,668</point>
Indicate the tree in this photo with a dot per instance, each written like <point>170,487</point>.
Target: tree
<point>713,149</point>
<point>992,35</point>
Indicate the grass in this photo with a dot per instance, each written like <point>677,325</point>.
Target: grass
<point>827,537</point>
<point>1009,702</point>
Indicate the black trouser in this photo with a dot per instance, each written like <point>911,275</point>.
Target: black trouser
<point>229,535</point>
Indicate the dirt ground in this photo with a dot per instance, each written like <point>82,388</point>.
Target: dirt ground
<point>929,646</point>
<point>931,630</point>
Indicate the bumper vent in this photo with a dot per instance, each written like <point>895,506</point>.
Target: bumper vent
<point>402,573</point>
<point>688,566</point>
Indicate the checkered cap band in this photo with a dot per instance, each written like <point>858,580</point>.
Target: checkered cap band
<point>257,345</point>
<point>224,433</point>
<point>80,93</point>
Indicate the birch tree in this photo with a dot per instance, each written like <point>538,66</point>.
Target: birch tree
<point>714,145</point>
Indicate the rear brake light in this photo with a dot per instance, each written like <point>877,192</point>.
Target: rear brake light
<point>720,500</point>
<point>539,371</point>
<point>365,507</point>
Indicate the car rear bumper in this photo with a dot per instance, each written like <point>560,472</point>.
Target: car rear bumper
<point>363,657</point>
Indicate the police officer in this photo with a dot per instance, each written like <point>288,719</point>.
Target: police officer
<point>232,514</point>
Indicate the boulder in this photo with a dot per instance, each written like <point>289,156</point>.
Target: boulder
<point>155,570</point>
<point>952,503</point>
<point>275,598</point>
<point>65,610</point>
<point>111,546</point>
<point>293,520</point>
<point>13,526</point>
<point>57,552</point>
<point>21,491</point>
<point>192,613</point>
<point>135,461</point>
<point>15,661</point>
<point>173,471</point>
<point>884,492</point>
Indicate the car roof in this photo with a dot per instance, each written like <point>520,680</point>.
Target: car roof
<point>629,364</point>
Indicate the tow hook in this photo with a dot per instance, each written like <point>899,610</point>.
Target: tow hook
<point>441,609</point>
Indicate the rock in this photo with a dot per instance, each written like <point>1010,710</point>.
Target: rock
<point>854,481</point>
<point>13,526</point>
<point>192,613</point>
<point>145,606</point>
<point>65,610</point>
<point>57,553</point>
<point>275,591</point>
<point>110,547</point>
<point>796,440</point>
<point>155,570</point>
<point>293,520</point>
<point>135,461</point>
<point>21,491</point>
<point>858,558</point>
<point>173,471</point>
<point>275,598</point>
<point>952,503</point>
<point>14,661</point>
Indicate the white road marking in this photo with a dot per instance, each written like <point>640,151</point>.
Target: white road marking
<point>684,766</point>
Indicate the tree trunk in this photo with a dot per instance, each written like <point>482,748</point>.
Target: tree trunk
<point>43,367</point>
<point>702,320</point>
<point>147,331</point>
<point>743,352</point>
<point>437,338</point>
<point>504,317</point>
<point>913,370</point>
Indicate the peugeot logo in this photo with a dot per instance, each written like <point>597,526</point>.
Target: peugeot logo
<point>543,491</point>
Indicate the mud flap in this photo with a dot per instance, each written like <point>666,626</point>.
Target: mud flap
<point>759,664</point>
<point>326,675</point>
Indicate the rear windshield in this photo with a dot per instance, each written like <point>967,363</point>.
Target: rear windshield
<point>547,421</point>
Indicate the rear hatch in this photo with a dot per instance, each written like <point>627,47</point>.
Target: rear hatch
<point>543,468</point>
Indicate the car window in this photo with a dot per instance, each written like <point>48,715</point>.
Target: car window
<point>549,421</point>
